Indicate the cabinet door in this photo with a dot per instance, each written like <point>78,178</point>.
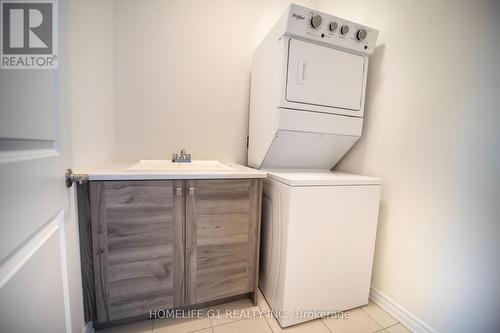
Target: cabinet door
<point>137,236</point>
<point>222,227</point>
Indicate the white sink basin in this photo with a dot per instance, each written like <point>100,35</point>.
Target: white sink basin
<point>166,165</point>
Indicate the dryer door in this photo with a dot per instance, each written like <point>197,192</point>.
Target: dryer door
<point>324,77</point>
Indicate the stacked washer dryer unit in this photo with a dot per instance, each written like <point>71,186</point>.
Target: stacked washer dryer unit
<point>306,111</point>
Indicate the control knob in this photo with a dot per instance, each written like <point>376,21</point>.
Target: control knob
<point>361,34</point>
<point>333,26</point>
<point>316,21</point>
<point>344,29</point>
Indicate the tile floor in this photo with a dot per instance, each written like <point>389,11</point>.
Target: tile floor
<point>247,318</point>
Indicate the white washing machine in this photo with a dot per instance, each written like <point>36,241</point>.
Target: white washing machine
<point>306,111</point>
<point>317,242</point>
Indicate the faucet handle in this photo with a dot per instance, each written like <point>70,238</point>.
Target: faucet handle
<point>175,156</point>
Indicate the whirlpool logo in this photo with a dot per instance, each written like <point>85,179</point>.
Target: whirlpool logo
<point>29,34</point>
<point>298,16</point>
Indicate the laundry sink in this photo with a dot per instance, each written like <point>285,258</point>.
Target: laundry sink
<point>166,165</point>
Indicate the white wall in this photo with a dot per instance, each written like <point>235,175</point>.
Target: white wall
<point>432,132</point>
<point>92,82</point>
<point>182,75</point>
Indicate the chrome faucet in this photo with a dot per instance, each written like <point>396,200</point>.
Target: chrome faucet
<point>183,157</point>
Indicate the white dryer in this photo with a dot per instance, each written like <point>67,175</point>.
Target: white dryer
<point>307,90</point>
<point>307,101</point>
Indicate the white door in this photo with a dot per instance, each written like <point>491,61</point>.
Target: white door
<point>323,76</point>
<point>34,213</point>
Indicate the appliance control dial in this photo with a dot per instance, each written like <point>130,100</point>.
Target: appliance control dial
<point>361,34</point>
<point>316,21</point>
<point>344,29</point>
<point>333,26</point>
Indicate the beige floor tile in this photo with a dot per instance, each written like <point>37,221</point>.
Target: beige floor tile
<point>313,326</point>
<point>252,325</point>
<point>140,327</point>
<point>261,301</point>
<point>357,322</point>
<point>229,312</point>
<point>195,322</point>
<point>397,329</point>
<point>205,330</point>
<point>380,316</point>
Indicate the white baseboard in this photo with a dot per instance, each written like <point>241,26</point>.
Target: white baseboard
<point>401,314</point>
<point>88,328</point>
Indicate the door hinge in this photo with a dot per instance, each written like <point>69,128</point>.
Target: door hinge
<point>248,140</point>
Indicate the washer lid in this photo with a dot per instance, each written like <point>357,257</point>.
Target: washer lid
<point>298,177</point>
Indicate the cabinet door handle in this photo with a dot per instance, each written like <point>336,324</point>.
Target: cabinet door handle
<point>191,191</point>
<point>178,191</point>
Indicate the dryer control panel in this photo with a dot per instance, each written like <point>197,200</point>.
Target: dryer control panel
<point>323,28</point>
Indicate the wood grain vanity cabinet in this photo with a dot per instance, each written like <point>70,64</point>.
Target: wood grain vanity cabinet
<point>221,238</point>
<point>166,244</point>
<point>137,238</point>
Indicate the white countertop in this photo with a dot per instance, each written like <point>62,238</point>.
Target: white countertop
<point>118,171</point>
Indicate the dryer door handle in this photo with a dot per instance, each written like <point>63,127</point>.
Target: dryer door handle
<point>302,71</point>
